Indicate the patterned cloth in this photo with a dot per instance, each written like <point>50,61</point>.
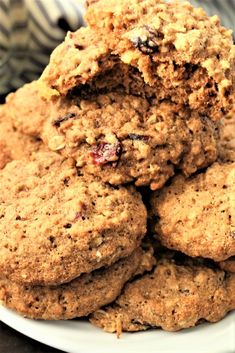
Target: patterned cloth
<point>31,29</point>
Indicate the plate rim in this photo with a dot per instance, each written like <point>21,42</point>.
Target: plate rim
<point>36,330</point>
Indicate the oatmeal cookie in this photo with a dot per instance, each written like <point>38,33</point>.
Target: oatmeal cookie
<point>80,297</point>
<point>14,144</point>
<point>122,138</point>
<point>56,225</point>
<point>197,216</point>
<point>173,297</point>
<point>175,50</point>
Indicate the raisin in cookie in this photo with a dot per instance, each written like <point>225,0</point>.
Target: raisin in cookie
<point>173,297</point>
<point>123,138</point>
<point>197,216</point>
<point>56,225</point>
<point>80,297</point>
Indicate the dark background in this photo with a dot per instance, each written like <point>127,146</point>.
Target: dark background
<point>12,341</point>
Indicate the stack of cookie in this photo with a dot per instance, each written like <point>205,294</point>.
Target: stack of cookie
<point>130,120</point>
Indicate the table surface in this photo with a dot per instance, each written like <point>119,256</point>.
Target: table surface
<point>12,341</point>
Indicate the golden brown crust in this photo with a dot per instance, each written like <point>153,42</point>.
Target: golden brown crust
<point>78,298</point>
<point>197,216</point>
<point>56,225</point>
<point>172,297</point>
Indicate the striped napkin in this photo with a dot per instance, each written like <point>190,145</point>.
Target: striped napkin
<point>29,31</point>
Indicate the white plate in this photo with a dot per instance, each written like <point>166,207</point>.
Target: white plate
<point>79,336</point>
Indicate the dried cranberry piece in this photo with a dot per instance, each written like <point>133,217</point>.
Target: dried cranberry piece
<point>148,41</point>
<point>138,137</point>
<point>104,153</point>
<point>61,119</point>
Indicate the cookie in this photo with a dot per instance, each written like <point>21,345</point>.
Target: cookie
<point>27,109</point>
<point>174,50</point>
<point>173,297</point>
<point>197,216</point>
<point>228,265</point>
<point>13,144</point>
<point>227,138</point>
<point>123,138</point>
<point>56,225</point>
<point>80,297</point>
